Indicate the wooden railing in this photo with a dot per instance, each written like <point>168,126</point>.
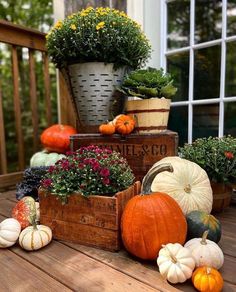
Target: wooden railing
<point>15,35</point>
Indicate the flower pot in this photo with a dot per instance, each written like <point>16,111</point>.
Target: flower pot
<point>151,115</point>
<point>93,220</point>
<point>222,195</point>
<point>92,88</point>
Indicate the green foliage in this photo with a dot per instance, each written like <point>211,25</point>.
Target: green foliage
<point>32,14</point>
<point>88,171</point>
<point>148,83</point>
<point>102,35</point>
<point>216,155</point>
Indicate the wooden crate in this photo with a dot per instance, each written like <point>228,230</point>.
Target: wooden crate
<point>141,151</point>
<point>93,221</point>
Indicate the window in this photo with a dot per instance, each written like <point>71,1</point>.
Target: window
<point>200,52</point>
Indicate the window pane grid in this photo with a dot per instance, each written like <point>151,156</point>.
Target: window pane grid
<point>219,96</point>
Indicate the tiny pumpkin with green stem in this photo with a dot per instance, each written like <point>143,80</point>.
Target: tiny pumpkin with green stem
<point>151,219</point>
<point>36,236</point>
<point>205,252</point>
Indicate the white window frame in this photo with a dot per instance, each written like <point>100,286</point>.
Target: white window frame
<point>191,48</point>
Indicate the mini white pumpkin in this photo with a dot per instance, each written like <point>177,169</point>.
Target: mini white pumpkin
<point>205,252</point>
<point>35,237</point>
<point>176,263</point>
<point>188,184</point>
<point>9,232</point>
<point>44,158</point>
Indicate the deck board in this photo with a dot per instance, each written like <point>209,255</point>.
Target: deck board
<point>64,266</point>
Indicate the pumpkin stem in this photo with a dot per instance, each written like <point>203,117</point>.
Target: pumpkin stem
<point>173,258</point>
<point>149,177</point>
<point>208,270</point>
<point>204,237</point>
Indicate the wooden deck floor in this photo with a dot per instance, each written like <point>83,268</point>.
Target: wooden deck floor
<point>63,266</point>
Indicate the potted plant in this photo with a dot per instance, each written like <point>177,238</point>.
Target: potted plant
<point>94,48</point>
<point>149,92</point>
<point>83,195</point>
<point>218,157</point>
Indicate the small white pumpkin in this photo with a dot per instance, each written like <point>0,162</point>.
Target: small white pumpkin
<point>176,263</point>
<point>188,184</point>
<point>35,237</point>
<point>9,232</point>
<point>44,158</point>
<point>205,252</point>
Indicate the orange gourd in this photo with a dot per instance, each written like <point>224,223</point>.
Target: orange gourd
<point>124,124</point>
<point>150,220</point>
<point>206,279</point>
<point>57,138</point>
<point>107,129</point>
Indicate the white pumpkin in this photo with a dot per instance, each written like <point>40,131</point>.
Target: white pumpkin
<point>188,184</point>
<point>176,263</point>
<point>205,252</point>
<point>9,232</point>
<point>35,237</point>
<point>44,158</point>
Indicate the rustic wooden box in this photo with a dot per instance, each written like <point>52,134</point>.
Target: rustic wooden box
<point>93,221</point>
<point>140,150</point>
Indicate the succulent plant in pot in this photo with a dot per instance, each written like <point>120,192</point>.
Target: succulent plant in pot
<point>148,94</point>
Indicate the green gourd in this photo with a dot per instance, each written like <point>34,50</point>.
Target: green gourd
<point>199,221</point>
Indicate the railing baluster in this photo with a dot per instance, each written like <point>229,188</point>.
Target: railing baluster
<point>33,101</point>
<point>17,110</point>
<point>47,88</point>
<point>3,154</point>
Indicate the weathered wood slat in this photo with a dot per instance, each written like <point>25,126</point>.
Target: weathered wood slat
<point>47,88</point>
<point>11,179</point>
<point>21,36</point>
<point>16,272</point>
<point>3,154</point>
<point>80,272</point>
<point>33,101</point>
<point>123,262</point>
<point>17,109</point>
<point>67,112</point>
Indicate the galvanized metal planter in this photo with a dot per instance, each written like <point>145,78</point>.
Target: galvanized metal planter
<point>92,86</point>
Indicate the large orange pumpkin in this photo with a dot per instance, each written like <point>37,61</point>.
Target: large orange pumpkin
<point>57,138</point>
<point>150,220</point>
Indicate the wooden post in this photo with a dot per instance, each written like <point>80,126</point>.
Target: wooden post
<point>17,110</point>
<point>3,154</point>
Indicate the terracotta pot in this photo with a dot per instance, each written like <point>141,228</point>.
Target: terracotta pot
<point>222,195</point>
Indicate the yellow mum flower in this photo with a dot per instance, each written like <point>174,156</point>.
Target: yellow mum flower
<point>100,25</point>
<point>58,24</point>
<point>73,26</point>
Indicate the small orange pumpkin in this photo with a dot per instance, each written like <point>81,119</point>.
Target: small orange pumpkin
<point>124,124</point>
<point>150,220</point>
<point>107,129</point>
<point>206,279</point>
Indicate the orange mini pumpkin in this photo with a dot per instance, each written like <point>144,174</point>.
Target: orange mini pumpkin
<point>107,129</point>
<point>124,124</point>
<point>150,220</point>
<point>206,279</point>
